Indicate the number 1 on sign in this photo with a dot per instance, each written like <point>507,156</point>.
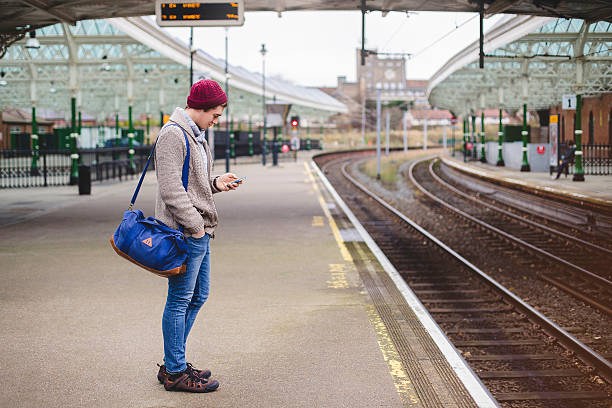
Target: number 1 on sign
<point>568,102</point>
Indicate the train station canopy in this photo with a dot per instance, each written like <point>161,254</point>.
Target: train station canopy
<point>60,19</point>
<point>108,64</point>
<point>532,60</point>
<point>17,17</point>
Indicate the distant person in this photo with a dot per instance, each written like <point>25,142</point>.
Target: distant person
<point>195,211</point>
<point>295,146</point>
<point>567,159</point>
<point>295,143</point>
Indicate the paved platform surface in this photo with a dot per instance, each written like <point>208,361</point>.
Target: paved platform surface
<point>288,322</point>
<point>597,189</point>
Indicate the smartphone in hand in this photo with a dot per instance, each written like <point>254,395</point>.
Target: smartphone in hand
<point>238,181</point>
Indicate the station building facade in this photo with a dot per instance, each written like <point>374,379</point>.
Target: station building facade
<point>596,120</point>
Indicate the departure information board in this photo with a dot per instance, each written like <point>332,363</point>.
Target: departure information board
<point>183,13</point>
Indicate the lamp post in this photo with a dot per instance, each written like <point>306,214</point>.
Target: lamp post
<point>263,52</point>
<point>378,134</point>
<point>191,52</point>
<point>227,129</point>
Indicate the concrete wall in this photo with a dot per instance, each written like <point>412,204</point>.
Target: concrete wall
<point>491,152</point>
<point>512,154</point>
<point>538,162</point>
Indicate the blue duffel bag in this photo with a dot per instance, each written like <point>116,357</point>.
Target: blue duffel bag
<point>148,242</point>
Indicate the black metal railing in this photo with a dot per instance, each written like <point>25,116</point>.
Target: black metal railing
<point>18,168</point>
<point>241,148</point>
<point>114,163</point>
<point>596,159</point>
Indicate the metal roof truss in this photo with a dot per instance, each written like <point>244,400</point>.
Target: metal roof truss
<point>537,69</point>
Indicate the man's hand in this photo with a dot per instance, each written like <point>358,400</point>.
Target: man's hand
<point>199,234</point>
<point>224,182</point>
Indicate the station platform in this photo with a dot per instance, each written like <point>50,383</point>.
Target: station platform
<point>595,192</point>
<point>301,311</point>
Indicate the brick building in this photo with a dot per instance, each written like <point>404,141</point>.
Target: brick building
<point>596,120</point>
<point>387,75</point>
<point>15,122</point>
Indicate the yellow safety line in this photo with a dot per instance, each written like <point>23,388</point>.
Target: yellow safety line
<point>343,249</point>
<point>402,383</point>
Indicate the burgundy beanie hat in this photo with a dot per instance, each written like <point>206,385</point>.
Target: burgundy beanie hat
<point>206,94</point>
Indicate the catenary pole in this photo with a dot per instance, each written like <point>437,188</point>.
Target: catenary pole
<point>378,134</point>
<point>227,113</point>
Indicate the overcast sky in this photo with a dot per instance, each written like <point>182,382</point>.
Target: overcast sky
<point>314,48</point>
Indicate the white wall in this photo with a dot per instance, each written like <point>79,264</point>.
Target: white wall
<point>512,154</point>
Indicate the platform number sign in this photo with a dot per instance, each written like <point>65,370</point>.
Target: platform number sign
<point>208,13</point>
<point>568,102</point>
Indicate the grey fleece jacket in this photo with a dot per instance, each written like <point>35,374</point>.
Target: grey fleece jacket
<point>194,209</point>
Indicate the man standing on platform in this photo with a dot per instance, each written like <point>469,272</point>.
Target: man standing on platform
<point>194,210</point>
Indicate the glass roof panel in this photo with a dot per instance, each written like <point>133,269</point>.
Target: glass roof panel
<point>55,29</point>
<point>600,27</point>
<point>100,82</point>
<point>548,78</point>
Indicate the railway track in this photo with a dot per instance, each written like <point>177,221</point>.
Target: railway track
<point>522,357</point>
<point>563,258</point>
<point>577,222</point>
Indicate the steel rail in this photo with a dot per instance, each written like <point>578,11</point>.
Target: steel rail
<point>607,284</point>
<point>518,192</point>
<point>510,214</point>
<point>585,298</point>
<point>586,354</point>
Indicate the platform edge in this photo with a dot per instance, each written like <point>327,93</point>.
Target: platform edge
<point>477,390</point>
<point>534,188</point>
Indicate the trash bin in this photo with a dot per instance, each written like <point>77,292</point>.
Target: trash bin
<point>84,179</point>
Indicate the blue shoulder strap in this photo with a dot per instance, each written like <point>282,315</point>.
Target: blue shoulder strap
<point>184,177</point>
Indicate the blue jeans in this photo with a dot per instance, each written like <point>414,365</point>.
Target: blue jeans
<point>187,293</point>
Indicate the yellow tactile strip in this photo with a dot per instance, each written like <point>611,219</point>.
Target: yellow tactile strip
<point>412,357</point>
<point>401,381</point>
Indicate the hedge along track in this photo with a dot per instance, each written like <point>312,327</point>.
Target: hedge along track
<point>506,341</point>
<point>585,264</point>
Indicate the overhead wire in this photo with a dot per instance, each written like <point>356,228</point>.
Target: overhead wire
<point>394,34</point>
<point>445,35</point>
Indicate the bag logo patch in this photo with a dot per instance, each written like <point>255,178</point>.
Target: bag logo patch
<point>148,242</point>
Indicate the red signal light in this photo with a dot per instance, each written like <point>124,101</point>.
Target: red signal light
<point>294,123</point>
